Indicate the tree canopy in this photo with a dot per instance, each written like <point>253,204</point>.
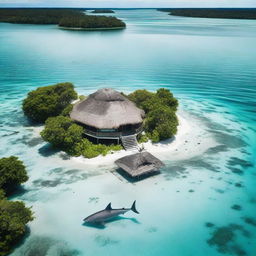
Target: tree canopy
<point>13,219</point>
<point>36,15</point>
<point>223,13</point>
<point>64,134</point>
<point>102,11</point>
<point>91,21</point>
<point>70,18</point>
<point>161,121</point>
<point>12,173</point>
<point>13,215</point>
<point>48,101</point>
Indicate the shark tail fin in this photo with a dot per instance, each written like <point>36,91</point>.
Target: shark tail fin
<point>133,208</point>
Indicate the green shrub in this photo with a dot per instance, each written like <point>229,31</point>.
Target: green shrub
<point>48,101</point>
<point>62,133</point>
<point>166,130</point>
<point>90,150</point>
<point>161,121</point>
<point>13,219</point>
<point>166,98</point>
<point>142,99</point>
<point>12,173</point>
<point>13,215</point>
<point>142,138</point>
<point>82,97</point>
<point>66,111</point>
<point>154,136</point>
<point>2,194</point>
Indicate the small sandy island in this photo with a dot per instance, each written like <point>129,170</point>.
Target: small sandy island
<point>192,139</point>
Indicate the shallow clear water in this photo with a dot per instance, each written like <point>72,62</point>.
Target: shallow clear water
<point>210,65</point>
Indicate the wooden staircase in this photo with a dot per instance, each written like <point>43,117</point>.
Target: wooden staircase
<point>130,142</point>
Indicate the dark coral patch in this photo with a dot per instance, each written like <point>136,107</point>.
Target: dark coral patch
<point>174,171</point>
<point>198,162</point>
<point>209,224</point>
<point>250,221</point>
<point>238,185</point>
<point>231,141</point>
<point>238,161</point>
<point>42,246</point>
<point>47,183</point>
<point>221,191</point>
<point>236,207</point>
<point>225,239</point>
<point>236,170</point>
<point>217,149</point>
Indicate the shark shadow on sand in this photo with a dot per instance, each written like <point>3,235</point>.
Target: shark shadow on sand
<point>102,225</point>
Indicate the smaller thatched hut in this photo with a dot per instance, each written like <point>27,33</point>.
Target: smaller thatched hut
<point>140,165</point>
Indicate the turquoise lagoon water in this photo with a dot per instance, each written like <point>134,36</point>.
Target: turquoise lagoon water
<point>210,66</point>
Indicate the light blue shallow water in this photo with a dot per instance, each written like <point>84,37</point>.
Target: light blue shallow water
<point>210,66</point>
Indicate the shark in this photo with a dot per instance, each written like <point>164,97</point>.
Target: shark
<point>108,213</point>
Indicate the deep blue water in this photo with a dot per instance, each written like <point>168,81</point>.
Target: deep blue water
<point>209,65</point>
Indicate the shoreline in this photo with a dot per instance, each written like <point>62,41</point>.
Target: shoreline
<point>90,29</point>
<point>191,140</point>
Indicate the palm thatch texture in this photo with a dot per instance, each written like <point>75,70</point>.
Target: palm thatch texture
<point>140,165</point>
<point>107,109</point>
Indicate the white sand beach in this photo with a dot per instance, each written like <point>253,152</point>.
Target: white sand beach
<point>192,139</point>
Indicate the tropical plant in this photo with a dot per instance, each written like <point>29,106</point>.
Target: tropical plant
<point>62,133</point>
<point>13,219</point>
<point>161,121</point>
<point>48,101</point>
<point>12,173</point>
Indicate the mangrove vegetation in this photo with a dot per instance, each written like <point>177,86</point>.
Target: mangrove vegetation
<point>36,15</point>
<point>161,121</point>
<point>68,18</point>
<point>222,13</point>
<point>68,136</point>
<point>52,104</point>
<point>91,22</point>
<point>12,174</point>
<point>48,101</point>
<point>13,215</point>
<point>102,11</point>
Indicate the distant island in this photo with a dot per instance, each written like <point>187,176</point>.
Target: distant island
<point>222,13</point>
<point>102,11</point>
<point>65,18</point>
<point>91,22</point>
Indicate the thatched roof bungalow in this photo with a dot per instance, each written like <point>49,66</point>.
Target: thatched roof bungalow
<point>107,114</point>
<point>139,165</point>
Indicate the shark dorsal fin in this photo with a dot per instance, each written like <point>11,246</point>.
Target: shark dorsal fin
<point>108,207</point>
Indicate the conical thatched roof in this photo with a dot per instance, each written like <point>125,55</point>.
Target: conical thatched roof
<point>107,109</point>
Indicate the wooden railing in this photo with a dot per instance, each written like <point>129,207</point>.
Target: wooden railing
<point>113,134</point>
